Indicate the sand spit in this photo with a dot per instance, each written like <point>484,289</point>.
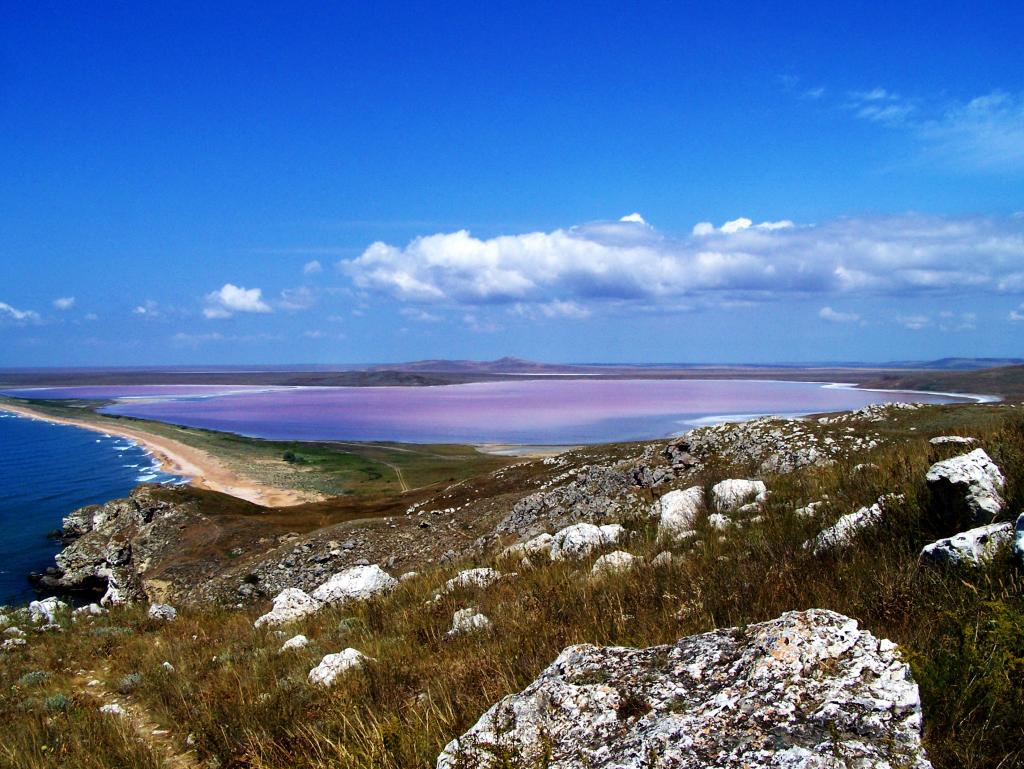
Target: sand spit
<point>203,470</point>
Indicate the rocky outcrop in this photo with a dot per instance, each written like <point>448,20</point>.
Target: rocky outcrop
<point>359,583</point>
<point>806,691</point>
<point>576,542</point>
<point>969,548</point>
<point>108,547</point>
<point>48,611</point>
<point>294,643</point>
<point>966,490</point>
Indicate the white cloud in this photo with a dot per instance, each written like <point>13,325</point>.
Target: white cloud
<point>1018,314</point>
<point>417,314</point>
<point>301,298</point>
<point>738,225</point>
<point>149,309</point>
<point>312,268</point>
<point>914,322</point>
<point>231,299</point>
<point>634,217</point>
<point>91,316</point>
<point>827,313</point>
<point>553,309</point>
<point>18,316</point>
<point>619,262</point>
<point>983,134</point>
<point>64,302</point>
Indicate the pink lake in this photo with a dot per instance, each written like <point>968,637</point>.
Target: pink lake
<point>521,412</point>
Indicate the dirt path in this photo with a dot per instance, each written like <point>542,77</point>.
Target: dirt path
<point>204,470</point>
<point>398,472</point>
<point>167,746</point>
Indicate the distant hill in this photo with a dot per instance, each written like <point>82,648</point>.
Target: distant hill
<point>1007,381</point>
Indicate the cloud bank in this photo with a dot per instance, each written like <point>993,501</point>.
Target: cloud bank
<point>630,261</point>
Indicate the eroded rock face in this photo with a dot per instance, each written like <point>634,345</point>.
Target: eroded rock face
<point>969,548</point>
<point>111,546</point>
<point>579,541</point>
<point>966,489</point>
<point>808,690</point>
<point>359,583</point>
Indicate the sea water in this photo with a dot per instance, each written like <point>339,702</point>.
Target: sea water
<point>47,471</point>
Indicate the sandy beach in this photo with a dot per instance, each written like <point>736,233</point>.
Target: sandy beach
<point>203,469</point>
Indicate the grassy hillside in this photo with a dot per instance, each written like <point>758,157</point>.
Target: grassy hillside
<point>1005,381</point>
<point>233,700</point>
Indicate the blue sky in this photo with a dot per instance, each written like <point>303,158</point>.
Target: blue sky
<point>376,182</point>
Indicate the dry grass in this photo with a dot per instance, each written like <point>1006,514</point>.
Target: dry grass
<point>247,705</point>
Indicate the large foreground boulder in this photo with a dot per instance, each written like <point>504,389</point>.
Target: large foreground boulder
<point>966,490</point>
<point>808,690</point>
<point>969,548</point>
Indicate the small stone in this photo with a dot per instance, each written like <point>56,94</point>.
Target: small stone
<point>162,611</point>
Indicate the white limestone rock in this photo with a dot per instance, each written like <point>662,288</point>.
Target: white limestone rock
<point>843,531</point>
<point>162,611</point>
<point>89,610</point>
<point>966,488</point>
<point>662,560</point>
<point>805,691</point>
<point>733,493</point>
<point>482,577</point>
<point>291,604</point>
<point>616,562</point>
<point>677,512</point>
<point>114,709</point>
<point>581,539</point>
<point>333,665</point>
<point>358,583</point>
<point>466,621</point>
<point>295,642</point>
<point>539,545</point>
<point>969,548</point>
<point>719,522</point>
<point>952,440</point>
<point>47,611</point>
